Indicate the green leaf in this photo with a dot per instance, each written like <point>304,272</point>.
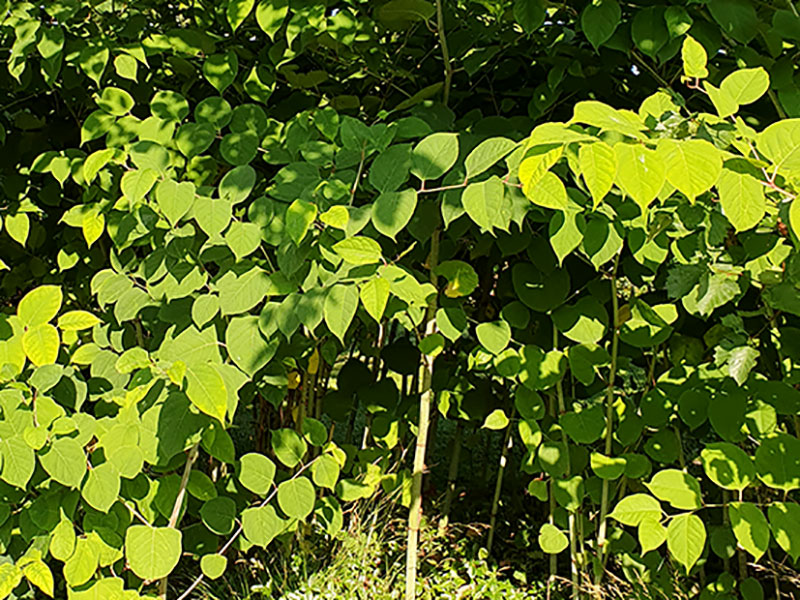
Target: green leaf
<point>93,60</point>
<point>566,232</point>
<point>486,154</point>
<point>325,472</point>
<point>599,21</point>
<point>237,184</point>
<point>243,238</point>
<point>741,361</point>
<point>137,183</point>
<point>777,462</point>
<point>237,11</point>
<point>261,525</point>
<point>212,215</point>
<point>598,164</point>
<point>530,14</point>
<point>784,521</point>
<point>678,21</point>
<point>392,211</point>
<point>92,225</point>
<point>169,106</point>
<point>552,540</point>
<point>115,101</point>
<point>288,446</point>
<point>686,538</point>
<point>18,226</point>
<point>65,462</point>
<point>680,489</point>
<point>206,390</point>
<point>483,202</point>
<point>358,250</point>
<point>213,565</point>
<point>750,527</point>
<point>496,420</point>
<point>238,294</point>
<point>270,15</point>
<point>432,345</point>
<point>19,461</point>
<point>218,514</point>
<point>239,148</point>
<point>737,18</point>
<point>62,540</point>
<point>536,163</point>
<point>692,166</point>
<point>462,278</point>
<point>95,162</point>
<point>745,86</point>
<point>710,293</point>
<point>399,13</point>
<point>598,114</point>
<point>126,67</point>
<point>40,305</point>
<point>640,172</point>
<point>541,370</point>
<point>722,101</point>
<point>220,69</point>
<point>741,195</point>
<point>174,199</point>
<point>40,344</point>
<point>341,303</point>
<point>434,156</point>
<point>584,322</point>
<point>649,30</point>
<point>548,192</point>
<point>390,169</point>
<point>246,346</point>
<point>152,552</point>
<point>39,574</point>
<point>780,143</point>
<point>374,296</point>
<point>256,473</point>
<point>634,509</point>
<point>296,497</point>
<point>193,139</point>
<point>607,467</point>
<point>299,217</point>
<point>10,577</point>
<point>494,336</point>
<point>584,427</point>
<point>102,487</point>
<point>83,563</point>
<point>651,535</point>
<point>728,466</point>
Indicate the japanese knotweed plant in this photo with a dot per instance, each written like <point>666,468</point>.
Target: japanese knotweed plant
<point>616,293</point>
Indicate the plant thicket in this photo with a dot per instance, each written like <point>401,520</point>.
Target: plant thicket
<point>574,223</point>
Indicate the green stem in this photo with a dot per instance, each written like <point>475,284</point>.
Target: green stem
<point>176,508</point>
<point>426,395</point>
<point>448,65</point>
<point>508,442</point>
<point>452,474</point>
<point>573,558</point>
<point>601,532</point>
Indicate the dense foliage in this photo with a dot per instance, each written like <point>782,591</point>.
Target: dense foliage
<point>231,228</point>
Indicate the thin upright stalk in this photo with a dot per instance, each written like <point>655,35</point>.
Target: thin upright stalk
<point>448,65</point>
<point>452,474</point>
<point>601,532</point>
<point>176,508</point>
<point>551,516</point>
<point>508,442</point>
<point>573,559</point>
<point>426,395</point>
